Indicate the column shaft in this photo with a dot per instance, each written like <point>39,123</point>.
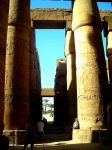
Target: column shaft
<point>90,62</point>
<point>34,81</point>
<point>109,54</point>
<point>17,66</point>
<point>4,7</point>
<point>71,76</point>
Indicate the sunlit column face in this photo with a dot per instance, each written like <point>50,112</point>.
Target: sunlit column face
<point>109,54</point>
<point>89,59</point>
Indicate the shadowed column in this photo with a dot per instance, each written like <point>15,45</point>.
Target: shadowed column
<point>4,7</point>
<point>90,62</point>
<point>17,65</point>
<point>60,89</point>
<point>34,80</point>
<point>71,76</point>
<point>32,74</point>
<point>38,87</point>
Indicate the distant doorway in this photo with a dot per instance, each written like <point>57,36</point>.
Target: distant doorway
<point>48,108</point>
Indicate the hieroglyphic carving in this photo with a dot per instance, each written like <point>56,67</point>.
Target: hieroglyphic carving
<point>89,55</point>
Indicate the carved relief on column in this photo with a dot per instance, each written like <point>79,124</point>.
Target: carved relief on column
<point>17,66</point>
<point>4,6</point>
<point>71,75</point>
<point>90,62</point>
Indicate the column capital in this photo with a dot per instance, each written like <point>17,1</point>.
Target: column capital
<point>69,43</point>
<point>85,15</point>
<point>108,19</point>
<point>68,25</point>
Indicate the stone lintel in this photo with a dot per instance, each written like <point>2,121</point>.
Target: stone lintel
<point>49,18</point>
<point>51,14</point>
<point>48,24</point>
<point>47,92</point>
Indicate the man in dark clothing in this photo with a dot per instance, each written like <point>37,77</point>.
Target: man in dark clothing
<point>29,135</point>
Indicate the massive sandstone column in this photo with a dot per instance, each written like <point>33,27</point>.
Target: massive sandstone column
<point>32,75</point>
<point>17,65</point>
<point>109,47</point>
<point>60,89</point>
<point>71,76</point>
<point>4,7</point>
<point>38,87</point>
<point>90,62</point>
<point>34,80</point>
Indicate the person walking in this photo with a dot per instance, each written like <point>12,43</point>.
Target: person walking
<point>40,130</point>
<point>45,124</point>
<point>30,128</point>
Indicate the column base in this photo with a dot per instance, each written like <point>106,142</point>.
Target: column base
<point>82,136</point>
<point>88,135</point>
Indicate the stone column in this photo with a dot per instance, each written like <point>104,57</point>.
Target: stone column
<point>32,74</point>
<point>90,62</point>
<point>109,46</point>
<point>60,102</point>
<point>4,7</point>
<point>34,80</point>
<point>37,93</point>
<point>71,76</point>
<point>17,65</point>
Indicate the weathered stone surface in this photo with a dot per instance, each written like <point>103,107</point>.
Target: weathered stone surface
<point>88,17</point>
<point>109,53</point>
<point>17,68</point>
<point>57,18</point>
<point>4,4</point>
<point>19,13</point>
<point>91,75</point>
<point>69,43</point>
<point>47,92</point>
<point>71,76</point>
<point>82,136</point>
<point>60,89</point>
<point>51,14</point>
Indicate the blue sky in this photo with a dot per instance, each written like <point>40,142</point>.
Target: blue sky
<point>50,43</point>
